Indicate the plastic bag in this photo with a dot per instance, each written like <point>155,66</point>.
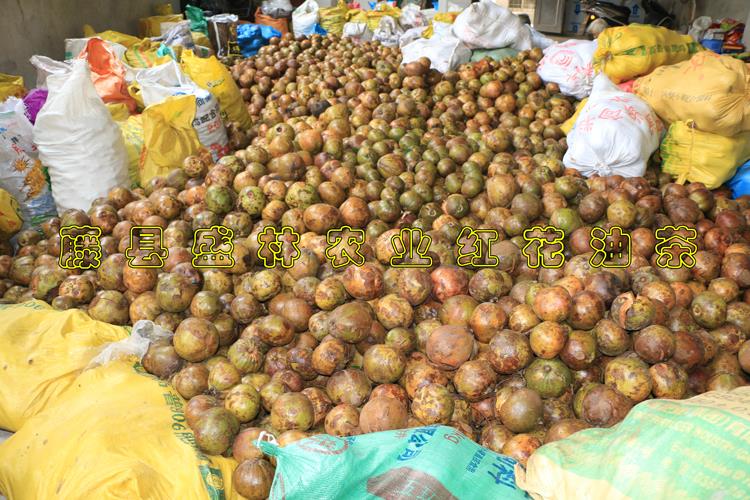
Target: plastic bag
<point>496,54</point>
<point>410,35</point>
<point>143,334</point>
<point>210,74</point>
<point>412,17</point>
<point>11,86</point>
<point>168,135</point>
<point>179,36</point>
<point>664,449</point>
<point>711,90</point>
<point>33,102</point>
<point>695,156</point>
<point>277,8</point>
<point>409,463</point>
<point>540,40</point>
<point>388,32</point>
<point>222,31</point>
<point>446,53</point>
<point>78,141</point>
<point>699,27</point>
<point>281,25</point>
<point>740,182</point>
<point>615,134</point>
<point>21,172</point>
<point>144,54</point>
<point>107,73</point>
<point>157,25</point>
<point>160,82</point>
<point>116,433</point>
<point>305,17</point>
<point>359,32</point>
<point>131,128</point>
<point>626,52</point>
<point>10,215</point>
<point>197,19</point>
<point>43,351</point>
<point>570,66</point>
<point>332,19</point>
<point>251,37</point>
<point>46,67</point>
<point>486,25</point>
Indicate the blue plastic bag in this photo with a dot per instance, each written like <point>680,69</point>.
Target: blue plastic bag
<point>433,462</point>
<point>318,30</point>
<point>740,183</point>
<point>251,37</point>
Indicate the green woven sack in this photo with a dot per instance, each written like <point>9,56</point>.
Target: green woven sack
<point>434,462</point>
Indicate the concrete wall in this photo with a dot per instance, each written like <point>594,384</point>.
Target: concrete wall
<point>29,27</point>
<point>736,9</point>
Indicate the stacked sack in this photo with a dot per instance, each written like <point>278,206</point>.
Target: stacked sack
<point>705,99</point>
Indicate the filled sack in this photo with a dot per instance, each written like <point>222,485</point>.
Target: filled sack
<point>615,134</point>
<point>107,73</point>
<point>664,449</point>
<point>486,25</point>
<point>43,351</point>
<point>408,463</point>
<point>21,171</point>
<point>10,215</point>
<point>709,89</point>
<point>570,66</point>
<point>78,141</point>
<point>116,432</point>
<point>160,82</point>
<point>627,52</point>
<point>210,74</point>
<point>305,17</point>
<point>692,155</point>
<point>11,86</point>
<point>446,53</point>
<point>388,32</point>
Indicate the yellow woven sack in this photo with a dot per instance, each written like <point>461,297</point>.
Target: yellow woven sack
<point>111,36</point>
<point>695,156</point>
<point>208,73</point>
<point>10,215</point>
<point>381,10</point>
<point>42,351</point>
<point>570,122</point>
<point>332,19</point>
<point>441,17</point>
<point>131,127</point>
<point>200,38</point>
<point>627,52</point>
<point>11,86</point>
<point>144,55</point>
<point>157,25</point>
<point>117,433</point>
<point>168,136</point>
<point>711,90</point>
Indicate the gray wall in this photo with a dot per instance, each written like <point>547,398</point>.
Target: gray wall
<point>737,9</point>
<point>29,27</point>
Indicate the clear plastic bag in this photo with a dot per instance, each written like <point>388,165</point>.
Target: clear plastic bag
<point>276,8</point>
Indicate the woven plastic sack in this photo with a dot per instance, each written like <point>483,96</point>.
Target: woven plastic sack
<point>157,25</point>
<point>11,86</point>
<point>78,141</point>
<point>711,90</point>
<point>168,136</point>
<point>440,17</point>
<point>43,351</point>
<point>570,66</point>
<point>446,53</point>
<point>212,75</point>
<point>305,17</point>
<point>144,54</point>
<point>359,32</point>
<point>111,36</point>
<point>627,52</point>
<point>695,156</point>
<point>21,171</point>
<point>568,125</point>
<point>333,19</point>
<point>117,432</point>
<point>10,215</point>
<point>131,128</point>
<point>281,25</point>
<point>664,449</point>
<point>107,73</point>
<point>615,134</point>
<point>486,25</point>
<point>435,462</point>
<point>388,32</point>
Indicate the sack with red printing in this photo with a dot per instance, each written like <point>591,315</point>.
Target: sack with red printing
<point>615,134</point>
<point>570,66</point>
